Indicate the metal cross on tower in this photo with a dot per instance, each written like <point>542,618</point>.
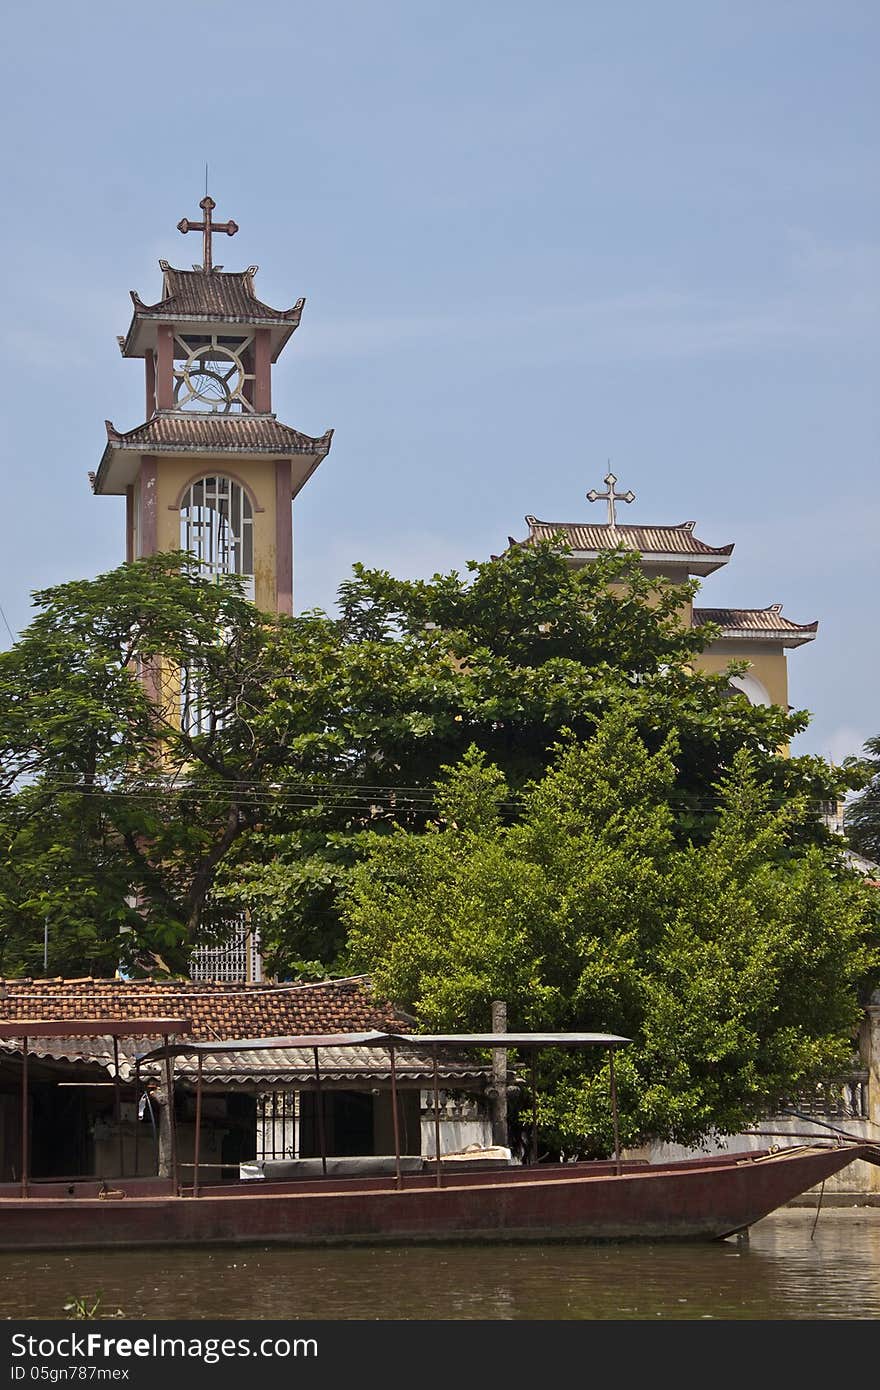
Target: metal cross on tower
<point>206,227</point>
<point>610,496</point>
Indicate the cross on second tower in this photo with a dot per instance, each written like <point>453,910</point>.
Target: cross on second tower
<point>610,496</point>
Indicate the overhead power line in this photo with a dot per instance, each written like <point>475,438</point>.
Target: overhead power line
<point>8,628</point>
<point>340,796</point>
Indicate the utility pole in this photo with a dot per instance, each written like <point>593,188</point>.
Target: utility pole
<point>499,1076</point>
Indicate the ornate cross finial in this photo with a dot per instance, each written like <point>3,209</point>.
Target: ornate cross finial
<point>206,227</point>
<point>610,496</point>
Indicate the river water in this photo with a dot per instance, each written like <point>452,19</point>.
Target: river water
<point>786,1271</point>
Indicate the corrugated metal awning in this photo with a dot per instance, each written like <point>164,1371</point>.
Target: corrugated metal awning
<point>295,1067</point>
<point>388,1040</point>
<point>258,1064</point>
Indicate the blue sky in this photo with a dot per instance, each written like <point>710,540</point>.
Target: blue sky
<point>531,238</point>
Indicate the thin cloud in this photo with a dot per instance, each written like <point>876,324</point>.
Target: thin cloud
<point>832,295</point>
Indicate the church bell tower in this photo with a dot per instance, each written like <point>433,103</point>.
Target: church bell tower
<point>212,470</point>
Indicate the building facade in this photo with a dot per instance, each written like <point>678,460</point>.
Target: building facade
<point>95,1115</point>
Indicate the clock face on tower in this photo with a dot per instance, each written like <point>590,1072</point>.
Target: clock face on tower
<point>212,376</point>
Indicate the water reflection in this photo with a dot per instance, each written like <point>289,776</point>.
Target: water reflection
<point>781,1274</point>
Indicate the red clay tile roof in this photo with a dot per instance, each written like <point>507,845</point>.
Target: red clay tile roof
<point>225,293</point>
<point>761,623</point>
<point>217,1010</point>
<point>649,540</point>
<point>213,297</point>
<point>173,430</point>
<point>179,432</point>
<point>226,1012</point>
<point>217,294</point>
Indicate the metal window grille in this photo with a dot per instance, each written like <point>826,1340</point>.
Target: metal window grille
<point>217,528</point>
<point>278,1124</point>
<point>217,525</point>
<point>233,957</point>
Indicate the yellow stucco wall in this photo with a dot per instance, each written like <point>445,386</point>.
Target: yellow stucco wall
<point>258,476</point>
<point>675,576</point>
<point>767,662</point>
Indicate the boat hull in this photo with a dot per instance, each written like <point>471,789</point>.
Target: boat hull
<point>696,1200</point>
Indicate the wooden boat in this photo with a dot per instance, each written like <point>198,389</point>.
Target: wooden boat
<point>703,1199</point>
<point>610,1200</point>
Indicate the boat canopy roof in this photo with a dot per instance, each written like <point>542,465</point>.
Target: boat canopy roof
<point>515,1039</point>
<point>386,1040</point>
<point>68,1027</point>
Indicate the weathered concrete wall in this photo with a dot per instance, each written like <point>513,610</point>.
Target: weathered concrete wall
<point>858,1181</point>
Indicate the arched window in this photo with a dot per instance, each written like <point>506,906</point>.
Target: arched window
<point>752,688</point>
<point>217,526</point>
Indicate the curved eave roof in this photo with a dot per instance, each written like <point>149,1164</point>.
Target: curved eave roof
<point>221,437</point>
<point>661,545</point>
<point>756,625</point>
<point>192,298</point>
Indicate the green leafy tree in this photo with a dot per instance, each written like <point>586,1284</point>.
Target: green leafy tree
<point>502,658</point>
<point>140,827</point>
<point>862,815</point>
<point>732,963</point>
<point>63,887</point>
<point>116,810</point>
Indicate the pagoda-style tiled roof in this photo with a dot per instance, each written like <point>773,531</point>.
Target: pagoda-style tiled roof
<point>670,544</point>
<point>173,430</point>
<point>223,293</point>
<point>209,297</point>
<point>205,435</point>
<point>756,624</point>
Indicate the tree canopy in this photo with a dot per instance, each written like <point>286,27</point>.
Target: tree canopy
<point>136,808</point>
<point>116,810</point>
<point>733,963</point>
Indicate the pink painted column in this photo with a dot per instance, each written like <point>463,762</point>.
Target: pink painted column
<point>283,538</point>
<point>149,506</point>
<point>262,372</point>
<point>247,361</point>
<point>147,543</point>
<point>129,524</point>
<point>150,381</point>
<point>164,367</point>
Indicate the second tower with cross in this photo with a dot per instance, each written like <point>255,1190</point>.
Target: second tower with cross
<point>761,637</point>
<point>212,470</point>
